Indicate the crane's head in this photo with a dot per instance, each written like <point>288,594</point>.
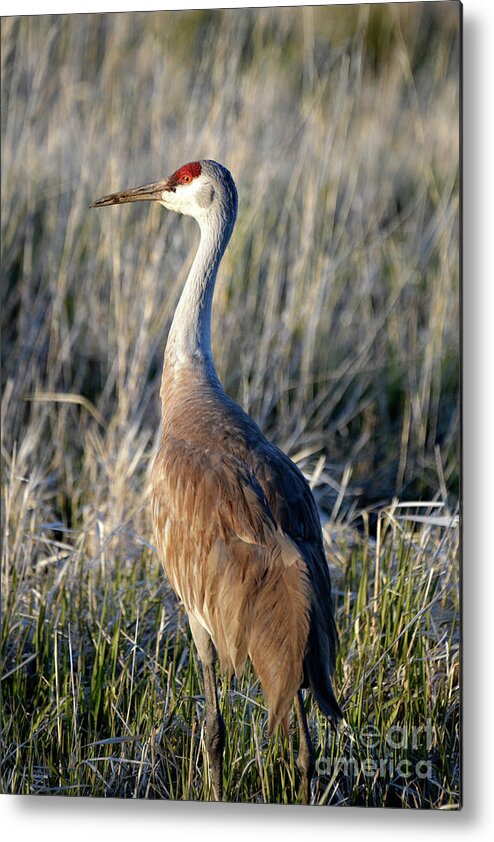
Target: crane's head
<point>202,189</point>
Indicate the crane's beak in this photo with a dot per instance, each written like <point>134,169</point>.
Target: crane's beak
<point>146,193</point>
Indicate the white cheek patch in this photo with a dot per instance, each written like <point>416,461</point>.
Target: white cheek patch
<point>204,195</point>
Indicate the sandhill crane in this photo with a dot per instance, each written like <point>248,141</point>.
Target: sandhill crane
<point>235,522</point>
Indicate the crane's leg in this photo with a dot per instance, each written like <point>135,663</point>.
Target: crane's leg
<point>305,759</point>
<point>215,727</point>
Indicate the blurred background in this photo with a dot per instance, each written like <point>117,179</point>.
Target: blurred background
<point>336,319</point>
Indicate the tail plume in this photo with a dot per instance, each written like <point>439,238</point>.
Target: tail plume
<point>280,630</point>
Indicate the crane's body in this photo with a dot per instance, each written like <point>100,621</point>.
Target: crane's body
<point>235,522</point>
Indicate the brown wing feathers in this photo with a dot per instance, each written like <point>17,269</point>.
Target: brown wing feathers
<point>240,573</point>
<point>279,634</point>
<point>293,506</point>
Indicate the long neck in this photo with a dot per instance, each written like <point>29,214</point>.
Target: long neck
<point>189,339</point>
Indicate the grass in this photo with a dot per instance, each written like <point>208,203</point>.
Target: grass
<point>335,324</point>
<point>103,693</point>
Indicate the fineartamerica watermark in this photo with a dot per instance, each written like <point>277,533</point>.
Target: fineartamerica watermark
<point>369,767</point>
<point>386,762</point>
<point>397,736</point>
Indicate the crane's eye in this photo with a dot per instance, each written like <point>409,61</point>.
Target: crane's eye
<point>186,179</point>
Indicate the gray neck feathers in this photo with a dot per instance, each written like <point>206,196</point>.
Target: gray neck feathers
<point>189,340</point>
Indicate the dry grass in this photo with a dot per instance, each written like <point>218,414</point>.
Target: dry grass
<point>335,325</point>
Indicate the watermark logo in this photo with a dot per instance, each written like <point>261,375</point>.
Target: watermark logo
<point>374,754</point>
